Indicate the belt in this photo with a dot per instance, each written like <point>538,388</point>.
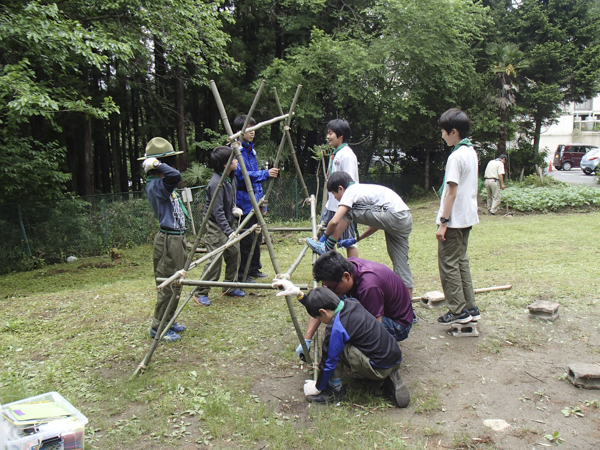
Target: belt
<point>175,232</point>
<point>495,179</point>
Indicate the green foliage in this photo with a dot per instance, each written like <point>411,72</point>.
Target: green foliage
<point>554,437</point>
<point>525,158</point>
<point>561,42</point>
<point>30,170</point>
<point>196,175</point>
<point>551,199</point>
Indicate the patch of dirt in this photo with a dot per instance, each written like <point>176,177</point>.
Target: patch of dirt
<point>475,379</point>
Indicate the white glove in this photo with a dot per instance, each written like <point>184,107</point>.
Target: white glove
<point>310,388</point>
<point>286,286</point>
<point>232,235</point>
<point>258,230</point>
<point>237,212</point>
<point>150,163</point>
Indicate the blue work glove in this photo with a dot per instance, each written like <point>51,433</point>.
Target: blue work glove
<point>347,242</point>
<point>300,350</point>
<point>323,238</point>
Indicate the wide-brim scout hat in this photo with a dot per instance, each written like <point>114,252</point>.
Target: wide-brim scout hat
<point>159,148</point>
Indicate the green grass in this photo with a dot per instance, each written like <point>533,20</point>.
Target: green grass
<point>82,331</point>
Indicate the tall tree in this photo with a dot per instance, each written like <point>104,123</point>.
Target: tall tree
<point>508,59</point>
<point>561,41</point>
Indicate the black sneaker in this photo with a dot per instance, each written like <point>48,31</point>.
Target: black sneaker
<point>258,274</point>
<point>396,389</point>
<point>475,316</point>
<point>328,395</point>
<point>248,280</point>
<point>449,318</point>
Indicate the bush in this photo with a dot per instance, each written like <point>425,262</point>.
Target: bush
<point>551,198</point>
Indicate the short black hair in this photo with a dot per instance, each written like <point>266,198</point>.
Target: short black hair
<point>331,267</point>
<point>337,179</point>
<point>503,156</point>
<point>341,128</point>
<point>454,118</point>
<point>219,157</point>
<point>320,298</point>
<point>239,121</point>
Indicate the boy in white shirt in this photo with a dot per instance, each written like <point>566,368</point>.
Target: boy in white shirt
<point>376,206</point>
<point>456,217</point>
<point>342,159</point>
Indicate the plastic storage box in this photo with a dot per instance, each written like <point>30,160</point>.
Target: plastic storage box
<point>54,434</point>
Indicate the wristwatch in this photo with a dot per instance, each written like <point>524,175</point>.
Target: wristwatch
<point>444,220</point>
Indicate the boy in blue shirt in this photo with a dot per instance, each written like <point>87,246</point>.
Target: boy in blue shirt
<point>355,338</point>
<point>257,176</point>
<point>169,251</point>
<point>220,225</point>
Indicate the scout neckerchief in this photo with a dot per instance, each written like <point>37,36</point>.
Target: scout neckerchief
<point>345,144</point>
<point>465,141</point>
<point>174,195</point>
<point>340,306</point>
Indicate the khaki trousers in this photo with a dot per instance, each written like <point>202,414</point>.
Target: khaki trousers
<point>214,239</point>
<point>493,195</point>
<point>169,255</point>
<point>454,269</point>
<point>360,366</point>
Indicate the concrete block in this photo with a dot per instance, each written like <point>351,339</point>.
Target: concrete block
<point>543,310</point>
<point>585,376</point>
<point>433,299</point>
<point>464,329</point>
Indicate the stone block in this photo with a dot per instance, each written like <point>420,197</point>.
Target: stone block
<point>543,310</point>
<point>464,329</point>
<point>585,376</point>
<point>433,299</point>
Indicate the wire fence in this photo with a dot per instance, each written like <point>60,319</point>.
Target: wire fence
<point>37,233</point>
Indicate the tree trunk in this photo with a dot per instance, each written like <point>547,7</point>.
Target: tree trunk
<point>124,132</point>
<point>427,167</point>
<point>181,139</point>
<point>134,145</point>
<point>537,134</point>
<point>87,158</point>
<point>502,140</point>
<point>102,154</point>
<point>115,152</point>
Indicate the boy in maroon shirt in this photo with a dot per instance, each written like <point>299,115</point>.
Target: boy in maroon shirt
<point>381,292</point>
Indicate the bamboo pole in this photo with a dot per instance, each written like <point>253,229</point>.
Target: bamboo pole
<point>313,221</point>
<point>196,263</point>
<point>478,291</point>
<point>234,284</point>
<point>177,291</point>
<point>259,216</point>
<point>258,126</point>
<point>271,181</point>
<point>250,256</point>
<point>290,143</point>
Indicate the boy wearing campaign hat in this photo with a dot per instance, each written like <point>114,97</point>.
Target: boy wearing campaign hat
<point>169,252</point>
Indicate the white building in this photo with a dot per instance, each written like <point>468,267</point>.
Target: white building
<point>579,124</point>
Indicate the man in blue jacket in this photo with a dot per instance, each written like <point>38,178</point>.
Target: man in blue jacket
<point>169,251</point>
<point>257,176</point>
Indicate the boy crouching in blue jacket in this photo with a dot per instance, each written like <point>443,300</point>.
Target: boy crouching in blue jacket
<point>355,338</point>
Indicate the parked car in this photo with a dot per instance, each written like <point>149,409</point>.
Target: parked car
<point>568,156</point>
<point>589,162</point>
